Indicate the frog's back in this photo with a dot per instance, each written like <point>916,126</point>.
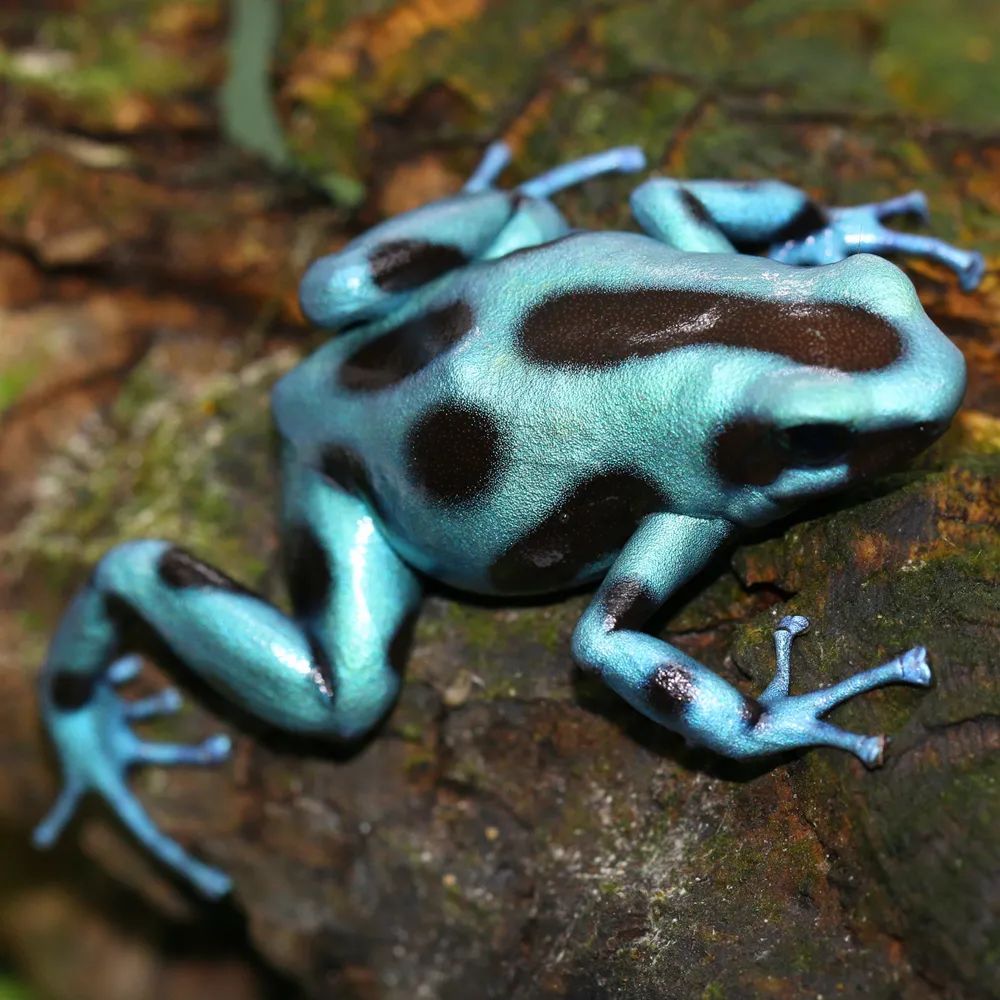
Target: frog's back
<point>513,423</point>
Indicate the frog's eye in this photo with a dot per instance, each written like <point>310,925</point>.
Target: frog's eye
<point>816,445</point>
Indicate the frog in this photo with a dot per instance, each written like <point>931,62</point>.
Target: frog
<point>510,406</point>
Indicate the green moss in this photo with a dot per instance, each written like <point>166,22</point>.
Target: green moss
<point>412,732</point>
<point>186,464</point>
<point>950,71</point>
<point>16,379</point>
<point>13,989</point>
<point>420,761</point>
<point>507,649</point>
<point>97,59</point>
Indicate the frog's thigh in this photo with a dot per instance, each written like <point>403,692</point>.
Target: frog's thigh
<point>712,216</point>
<point>681,694</point>
<point>331,668</point>
<point>352,595</point>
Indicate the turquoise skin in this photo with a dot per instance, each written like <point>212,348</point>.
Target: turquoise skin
<point>517,408</point>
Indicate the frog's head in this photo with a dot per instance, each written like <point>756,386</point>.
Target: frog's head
<point>867,382</point>
<point>372,274</point>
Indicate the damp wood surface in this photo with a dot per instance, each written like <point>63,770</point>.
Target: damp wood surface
<point>167,169</point>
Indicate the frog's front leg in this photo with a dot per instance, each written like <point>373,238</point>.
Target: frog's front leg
<point>678,692</point>
<point>781,221</point>
<point>535,219</point>
<point>330,670</point>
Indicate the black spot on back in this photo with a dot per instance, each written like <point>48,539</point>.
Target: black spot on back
<point>307,571</point>
<point>345,468</point>
<point>70,690</point>
<point>628,603</point>
<point>587,526</point>
<point>455,452</point>
<point>401,265</point>
<point>669,689</point>
<point>178,569</point>
<point>405,350</point>
<point>600,329</point>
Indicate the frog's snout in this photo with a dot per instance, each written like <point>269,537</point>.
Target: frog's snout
<point>317,293</point>
<point>334,289</point>
<point>932,375</point>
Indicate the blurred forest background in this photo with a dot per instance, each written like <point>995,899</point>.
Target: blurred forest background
<point>167,169</point>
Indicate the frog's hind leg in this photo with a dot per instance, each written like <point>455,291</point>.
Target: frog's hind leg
<point>782,222</point>
<point>330,669</point>
<point>860,229</point>
<point>621,160</point>
<point>678,692</point>
<point>376,273</point>
<point>668,211</point>
<point>535,219</point>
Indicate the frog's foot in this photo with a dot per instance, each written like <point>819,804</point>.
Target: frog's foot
<point>860,229</point>
<point>789,721</point>
<point>97,747</point>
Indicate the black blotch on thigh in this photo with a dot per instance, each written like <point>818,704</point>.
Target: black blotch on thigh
<point>669,689</point>
<point>180,570</point>
<point>587,526</point>
<point>401,265</point>
<point>71,690</point>
<point>455,452</point>
<point>807,221</point>
<point>697,208</point>
<point>404,350</point>
<point>307,570</point>
<point>346,469</point>
<point>628,603</point>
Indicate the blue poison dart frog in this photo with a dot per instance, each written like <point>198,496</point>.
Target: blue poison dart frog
<point>515,407</point>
